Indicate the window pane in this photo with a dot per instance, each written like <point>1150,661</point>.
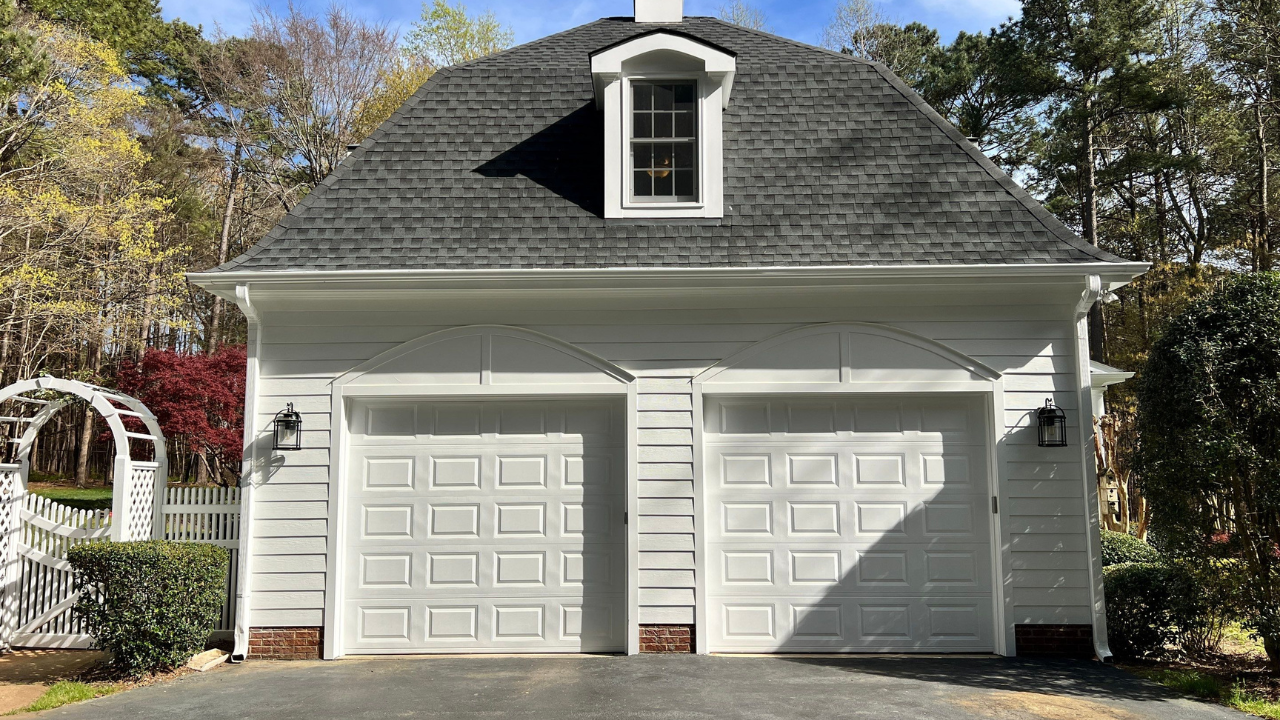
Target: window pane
<point>641,184</point>
<point>663,97</point>
<point>643,127</point>
<point>684,125</point>
<point>662,184</point>
<point>662,155</point>
<point>642,156</point>
<point>684,156</point>
<point>643,95</point>
<point>662,125</point>
<point>684,183</point>
<point>684,96</point>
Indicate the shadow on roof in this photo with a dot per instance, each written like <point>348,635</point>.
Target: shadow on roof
<point>566,158</point>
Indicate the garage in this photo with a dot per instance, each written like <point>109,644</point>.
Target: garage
<point>485,526</point>
<point>849,523</point>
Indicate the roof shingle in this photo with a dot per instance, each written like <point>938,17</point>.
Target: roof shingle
<point>829,160</point>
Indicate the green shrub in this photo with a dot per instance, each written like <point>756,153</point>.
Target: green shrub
<point>1120,547</point>
<point>1141,599</point>
<point>152,604</point>
<point>1153,607</point>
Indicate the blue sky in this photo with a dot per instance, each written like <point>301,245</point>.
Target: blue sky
<point>531,19</point>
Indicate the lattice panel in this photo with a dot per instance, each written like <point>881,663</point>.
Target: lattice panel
<point>141,501</point>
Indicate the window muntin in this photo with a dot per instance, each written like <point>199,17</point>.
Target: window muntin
<point>664,141</point>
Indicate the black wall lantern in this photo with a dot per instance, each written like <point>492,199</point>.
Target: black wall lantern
<point>288,429</point>
<point>1053,425</point>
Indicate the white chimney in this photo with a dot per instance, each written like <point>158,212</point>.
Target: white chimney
<point>659,11</point>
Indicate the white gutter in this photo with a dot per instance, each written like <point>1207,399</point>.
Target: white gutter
<point>248,467</point>
<point>1111,271</point>
<point>1084,407</point>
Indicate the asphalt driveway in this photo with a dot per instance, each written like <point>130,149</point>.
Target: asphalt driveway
<point>656,687</point>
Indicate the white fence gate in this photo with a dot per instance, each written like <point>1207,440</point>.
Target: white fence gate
<point>36,590</point>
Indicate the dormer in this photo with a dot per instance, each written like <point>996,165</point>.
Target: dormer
<point>663,93</point>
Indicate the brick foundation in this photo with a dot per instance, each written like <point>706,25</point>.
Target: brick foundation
<point>1063,641</point>
<point>285,643</point>
<point>666,638</point>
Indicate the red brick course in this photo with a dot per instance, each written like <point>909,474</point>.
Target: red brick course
<point>1064,641</point>
<point>666,638</point>
<point>286,643</point>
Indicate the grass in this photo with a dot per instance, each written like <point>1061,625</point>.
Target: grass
<point>1209,687</point>
<point>90,498</point>
<point>66,692</point>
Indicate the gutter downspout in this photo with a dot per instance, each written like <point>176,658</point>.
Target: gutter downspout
<point>1084,404</point>
<point>247,469</point>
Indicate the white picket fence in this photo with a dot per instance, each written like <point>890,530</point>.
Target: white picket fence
<point>207,515</point>
<point>39,613</point>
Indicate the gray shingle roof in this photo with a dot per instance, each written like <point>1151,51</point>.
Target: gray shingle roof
<point>829,160</point>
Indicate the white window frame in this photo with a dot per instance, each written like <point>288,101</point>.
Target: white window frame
<point>700,99</point>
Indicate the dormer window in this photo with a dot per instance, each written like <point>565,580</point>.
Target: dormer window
<point>663,94</point>
<point>664,141</point>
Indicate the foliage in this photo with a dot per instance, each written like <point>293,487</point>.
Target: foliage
<point>65,692</point>
<point>1210,687</point>
<point>197,399</point>
<point>1120,548</point>
<point>1209,403</point>
<point>447,35</point>
<point>1140,599</point>
<point>150,604</point>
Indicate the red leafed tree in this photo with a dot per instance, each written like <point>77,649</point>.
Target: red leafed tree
<point>199,401</point>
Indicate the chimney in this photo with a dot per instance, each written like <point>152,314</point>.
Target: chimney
<point>659,11</point>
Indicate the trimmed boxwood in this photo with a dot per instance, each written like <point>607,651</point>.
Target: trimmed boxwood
<point>151,605</point>
<point>1140,607</point>
<point>1120,547</point>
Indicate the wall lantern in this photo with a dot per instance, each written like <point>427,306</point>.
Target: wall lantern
<point>1053,425</point>
<point>288,429</point>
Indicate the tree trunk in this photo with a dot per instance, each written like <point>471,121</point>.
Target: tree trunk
<point>1264,195</point>
<point>86,426</point>
<point>224,245</point>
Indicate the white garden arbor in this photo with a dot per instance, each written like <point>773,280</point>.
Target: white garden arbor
<point>36,593</point>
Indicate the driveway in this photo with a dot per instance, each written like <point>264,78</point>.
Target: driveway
<point>656,687</point>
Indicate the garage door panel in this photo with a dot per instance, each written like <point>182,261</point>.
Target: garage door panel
<point>482,624</point>
<point>888,623</point>
<point>815,570</point>
<point>493,525</point>
<point>847,524</point>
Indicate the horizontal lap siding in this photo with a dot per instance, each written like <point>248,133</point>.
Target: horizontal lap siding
<point>665,347</point>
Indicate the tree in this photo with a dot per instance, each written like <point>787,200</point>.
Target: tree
<point>745,15</point>
<point>1209,419</point>
<point>447,35</point>
<point>1091,59</point>
<point>861,29</point>
<point>320,72</point>
<point>198,400</point>
<point>975,82</point>
<point>1245,43</point>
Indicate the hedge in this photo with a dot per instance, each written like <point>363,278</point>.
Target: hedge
<point>1124,548</point>
<point>1157,608</point>
<point>151,605</point>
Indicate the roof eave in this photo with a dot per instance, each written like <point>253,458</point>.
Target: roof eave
<point>1113,275</point>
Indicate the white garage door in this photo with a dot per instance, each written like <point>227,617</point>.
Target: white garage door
<point>847,525</point>
<point>485,527</point>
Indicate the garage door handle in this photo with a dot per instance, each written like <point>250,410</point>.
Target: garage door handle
<point>995,505</point>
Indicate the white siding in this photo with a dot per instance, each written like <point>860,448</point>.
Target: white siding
<point>665,341</point>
